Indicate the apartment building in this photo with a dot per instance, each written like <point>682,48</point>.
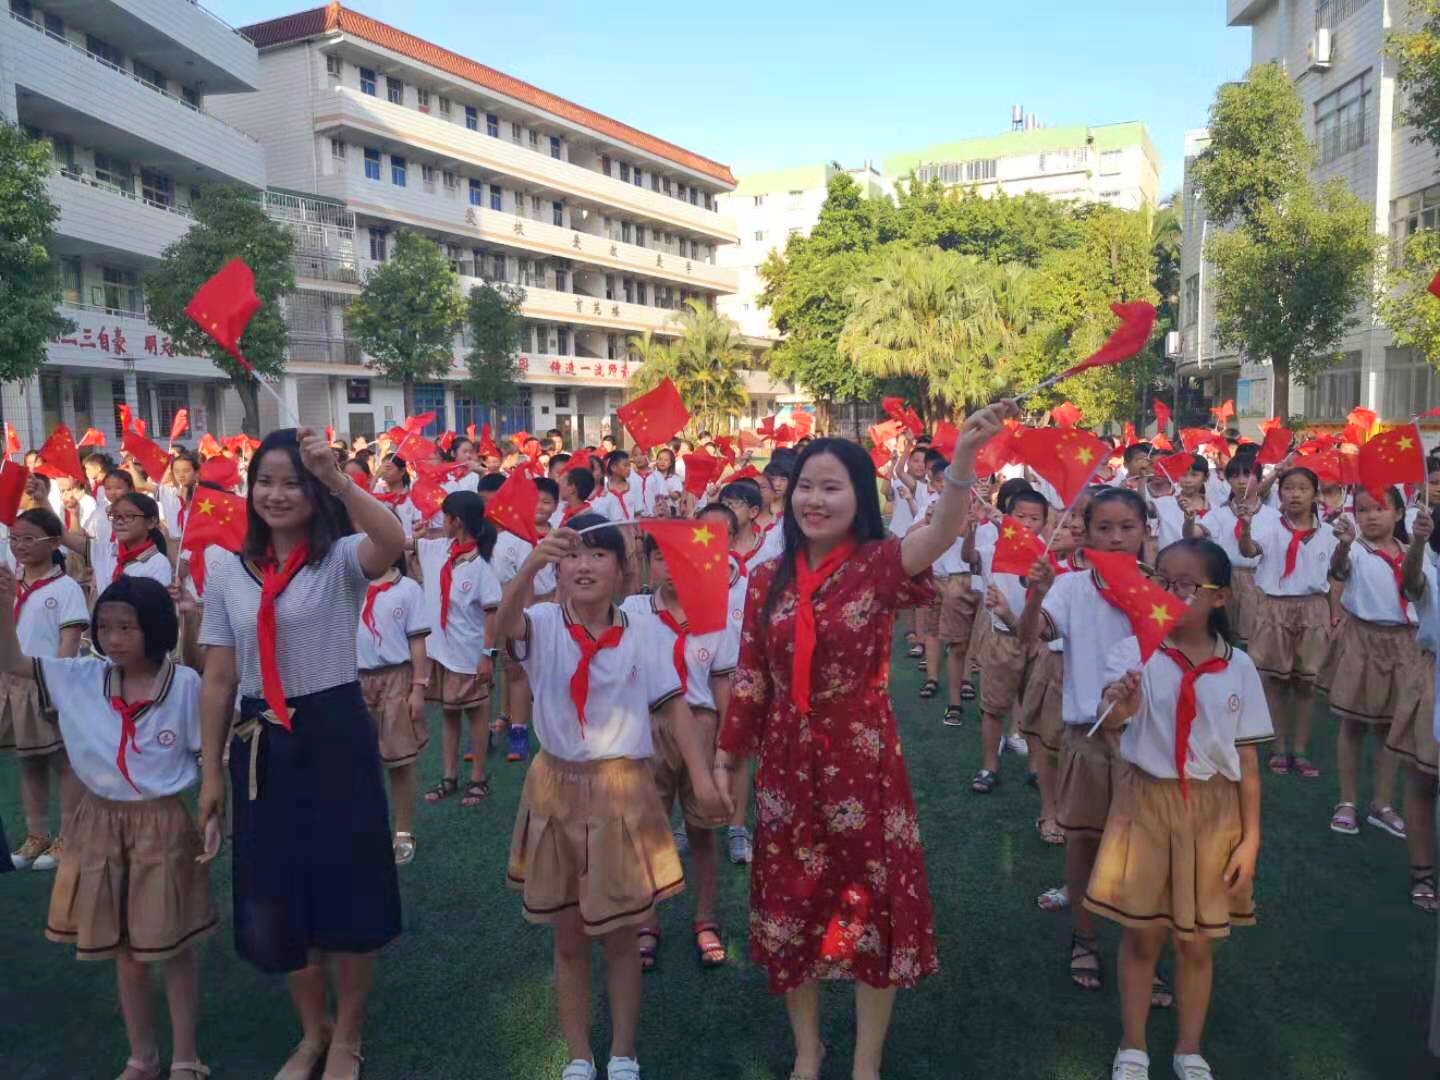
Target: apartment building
<point>1334,51</point>
<point>1112,163</point>
<point>124,92</point>
<point>369,130</point>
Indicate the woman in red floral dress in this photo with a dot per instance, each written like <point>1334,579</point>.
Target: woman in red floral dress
<point>838,886</point>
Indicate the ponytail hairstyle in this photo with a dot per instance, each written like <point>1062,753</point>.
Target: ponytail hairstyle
<point>468,508</point>
<point>1217,569</point>
<point>150,509</point>
<point>48,522</point>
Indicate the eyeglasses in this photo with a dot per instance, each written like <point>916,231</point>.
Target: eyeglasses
<point>21,541</point>
<point>126,519</point>
<point>1182,589</point>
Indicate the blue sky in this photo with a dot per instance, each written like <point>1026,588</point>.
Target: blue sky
<point>763,84</point>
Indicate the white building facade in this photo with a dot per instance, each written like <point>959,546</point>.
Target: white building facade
<point>369,130</point>
<point>1334,51</point>
<point>124,92</point>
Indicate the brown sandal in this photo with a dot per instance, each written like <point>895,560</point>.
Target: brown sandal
<point>649,952</point>
<point>476,792</point>
<point>710,956</point>
<point>447,786</point>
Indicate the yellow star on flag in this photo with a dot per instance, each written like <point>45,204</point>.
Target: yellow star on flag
<point>206,506</point>
<point>1009,533</point>
<point>1160,614</point>
<point>702,535</point>
<point>1404,443</point>
<point>1084,455</point>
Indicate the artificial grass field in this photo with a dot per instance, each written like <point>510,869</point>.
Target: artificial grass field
<point>1334,984</point>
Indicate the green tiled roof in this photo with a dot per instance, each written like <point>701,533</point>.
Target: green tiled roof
<point>799,178</point>
<point>1019,143</point>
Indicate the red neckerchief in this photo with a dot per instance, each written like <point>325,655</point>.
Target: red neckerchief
<point>72,517</point>
<point>580,681</point>
<point>23,592</point>
<point>95,488</point>
<point>644,486</point>
<point>128,731</point>
<point>273,582</point>
<point>1397,567</point>
<point>620,498</point>
<point>1185,708</point>
<point>740,563</point>
<point>392,498</point>
<point>128,555</point>
<point>682,634</point>
<point>367,613</point>
<point>807,584</point>
<point>1297,537</point>
<point>574,511</point>
<point>447,575</point>
<point>184,510</point>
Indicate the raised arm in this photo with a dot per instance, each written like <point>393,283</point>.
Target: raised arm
<point>1245,511</point>
<point>384,535</point>
<point>510,615</point>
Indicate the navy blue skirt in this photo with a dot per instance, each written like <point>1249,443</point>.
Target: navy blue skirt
<point>313,857</point>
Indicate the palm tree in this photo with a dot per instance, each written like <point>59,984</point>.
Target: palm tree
<point>949,320</point>
<point>705,361</point>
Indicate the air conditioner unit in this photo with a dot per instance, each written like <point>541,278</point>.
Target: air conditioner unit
<point>1318,51</point>
<point>1172,344</point>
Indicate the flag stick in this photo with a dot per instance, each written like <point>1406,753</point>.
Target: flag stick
<point>1051,381</point>
<point>1096,726</point>
<point>1065,516</point>
<point>280,401</point>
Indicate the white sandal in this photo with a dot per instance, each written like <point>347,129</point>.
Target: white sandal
<point>622,1068</point>
<point>350,1049</point>
<point>148,1070</point>
<point>1054,899</point>
<point>194,1068</point>
<point>404,848</point>
<point>579,1069</point>
<point>1130,1065</point>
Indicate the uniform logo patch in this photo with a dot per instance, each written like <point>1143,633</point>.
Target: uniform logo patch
<point>398,614</point>
<point>704,655</point>
<point>1234,703</point>
<point>51,603</point>
<point>165,738</point>
<point>466,586</point>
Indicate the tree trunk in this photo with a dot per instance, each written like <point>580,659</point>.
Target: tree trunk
<point>407,394</point>
<point>250,401</point>
<point>1280,405</point>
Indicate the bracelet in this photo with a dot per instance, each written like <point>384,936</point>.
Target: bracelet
<point>958,481</point>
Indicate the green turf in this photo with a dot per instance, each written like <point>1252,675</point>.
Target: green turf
<point>1334,984</point>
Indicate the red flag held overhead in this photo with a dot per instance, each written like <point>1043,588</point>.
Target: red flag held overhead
<point>1175,466</point>
<point>181,424</point>
<point>1161,442</point>
<point>945,437</point>
<point>217,518</point>
<point>224,306</point>
<point>1137,320</point>
<point>654,417</point>
<point>1066,414</point>
<point>1394,457</point>
<point>151,458</point>
<point>513,507</point>
<point>12,441</point>
<point>700,469</point>
<point>1276,446</point>
<point>59,456</point>
<point>12,488</point>
<point>1162,416</point>
<point>1066,457</point>
<point>1434,287</point>
<point>92,437</point>
<point>1016,549</point>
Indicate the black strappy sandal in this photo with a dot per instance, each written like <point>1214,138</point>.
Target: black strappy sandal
<point>928,688</point>
<point>649,951</point>
<point>967,691</point>
<point>954,716</point>
<point>447,786</point>
<point>986,781</point>
<point>1081,974</point>
<point>476,792</point>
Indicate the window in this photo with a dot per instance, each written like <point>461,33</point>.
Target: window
<point>759,200</point>
<point>452,183</point>
<point>497,197</point>
<point>148,74</point>
<point>334,66</point>
<point>1064,160</point>
<point>54,25</point>
<point>1331,13</point>
<point>1191,301</point>
<point>104,50</point>
<point>1410,385</point>
<point>625,232</point>
<point>121,290</point>
<point>430,397</point>
<point>427,177</point>
<point>372,163</point>
<point>1110,162</point>
<point>472,118</point>
<point>477,193</point>
<point>377,245</point>
<point>640,235</point>
<point>958,172</point>
<point>1252,396</point>
<point>639,176</point>
<point>535,141</point>
<point>640,293</point>
<point>629,289</point>
<point>357,391</point>
<point>759,236</point>
<point>497,267</point>
<point>157,188</point>
<point>795,231</point>
<point>422,99</point>
<point>795,199</point>
<point>394,90</point>
<point>444,104</point>
<point>1409,215</point>
<point>1340,120</point>
<point>492,125</point>
<point>337,149</point>
<point>367,81</point>
<point>114,171</point>
<point>624,172</point>
<point>605,164</point>
<point>70,278</point>
<point>535,202</point>
<point>562,340</point>
<point>561,280</point>
<point>555,147</point>
<point>557,213</point>
<point>654,182</point>
<point>1335,391</point>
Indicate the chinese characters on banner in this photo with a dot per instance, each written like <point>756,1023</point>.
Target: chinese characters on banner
<point>112,341</point>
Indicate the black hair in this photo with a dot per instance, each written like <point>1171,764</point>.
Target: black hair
<point>1397,502</point>
<point>403,466</point>
<point>938,466</point>
<point>1240,465</point>
<point>869,524</point>
<point>615,457</point>
<point>1217,569</point>
<point>732,523</point>
<point>48,522</point>
<point>44,480</point>
<point>747,491</point>
<point>120,474</point>
<point>1135,449</point>
<point>468,508</point>
<point>154,610</point>
<point>149,508</point>
<point>933,458</point>
<point>1200,465</point>
<point>1008,490</point>
<point>656,460</point>
<point>559,461</point>
<point>1029,496</point>
<point>583,481</point>
<point>1299,470</point>
<point>609,539</point>
<point>546,486</point>
<point>328,521</point>
<point>774,468</point>
<point>455,443</point>
<point>786,458</point>
<point>99,455</point>
<point>489,484</point>
<point>1115,494</point>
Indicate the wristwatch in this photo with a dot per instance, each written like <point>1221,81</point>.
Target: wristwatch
<point>490,653</point>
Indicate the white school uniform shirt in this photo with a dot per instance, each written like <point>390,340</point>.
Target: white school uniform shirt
<point>1008,585</point>
<point>86,510</point>
<point>399,615</point>
<point>1169,520</point>
<point>474,591</point>
<point>647,489</point>
<point>951,562</point>
<point>162,760</point>
<point>1219,525</point>
<point>57,501</point>
<point>736,597</point>
<point>614,506</point>
<point>706,655</point>
<point>771,546</point>
<point>1312,565</point>
<point>167,496</point>
<point>56,605</point>
<point>1230,712</point>
<point>1089,627</point>
<point>987,535</point>
<point>105,556</point>
<point>1217,488</point>
<point>510,554</point>
<point>1371,593</point>
<point>902,517</point>
<point>627,683</point>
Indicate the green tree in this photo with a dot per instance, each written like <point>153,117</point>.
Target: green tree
<point>229,224</point>
<point>492,316</point>
<point>705,362</point>
<point>1299,259</point>
<point>949,320</point>
<point>406,316</point>
<point>30,285</point>
<point>1404,305</point>
<point>1006,228</point>
<point>1417,53</point>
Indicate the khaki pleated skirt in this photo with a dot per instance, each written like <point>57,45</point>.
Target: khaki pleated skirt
<point>1241,606</point>
<point>1377,674</point>
<point>1162,859</point>
<point>1290,635</point>
<point>25,726</point>
<point>128,881</point>
<point>1041,698</point>
<point>387,695</point>
<point>591,836</point>
<point>1089,767</point>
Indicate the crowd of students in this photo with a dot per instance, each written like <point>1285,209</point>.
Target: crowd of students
<point>128,676</point>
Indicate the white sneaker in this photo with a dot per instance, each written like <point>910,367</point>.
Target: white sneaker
<point>1130,1065</point>
<point>1016,744</point>
<point>1192,1067</point>
<point>579,1069</point>
<point>622,1068</point>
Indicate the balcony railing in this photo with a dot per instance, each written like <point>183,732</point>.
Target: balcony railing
<point>82,177</point>
<point>192,106</point>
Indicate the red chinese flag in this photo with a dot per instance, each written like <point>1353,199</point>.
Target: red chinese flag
<point>1394,457</point>
<point>470,432</point>
<point>1334,467</point>
<point>654,417</point>
<point>215,518</point>
<point>697,555</point>
<point>127,420</point>
<point>1193,438</point>
<point>1267,426</point>
<point>12,487</point>
<point>766,430</point>
<point>726,445</point>
<point>1067,414</point>
<point>181,424</point>
<point>59,456</point>
<point>1175,465</point>
<point>417,424</point>
<point>329,434</point>
<point>1001,450</point>
<point>1429,412</point>
<point>513,507</point>
<point>519,438</point>
<point>1276,446</point>
<point>1358,426</point>
<point>1222,412</point>
<point>580,459</point>
<point>1130,437</point>
<point>1161,442</point>
<point>151,458</point>
<point>485,447</point>
<point>210,446</point>
<point>92,437</point>
<point>749,440</point>
<point>911,420</point>
<point>1319,445</point>
<point>700,469</point>
<point>880,458</point>
<point>1016,549</point>
<point>1066,457</point>
<point>785,435</point>
<point>440,471</point>
<point>446,440</point>
<point>804,421</point>
<point>749,472</point>
<point>410,446</point>
<point>894,408</point>
<point>12,441</point>
<point>427,495</point>
<point>945,437</point>
<point>1434,287</point>
<point>224,306</point>
<point>220,470</point>
<point>1162,416</point>
<point>1151,610</point>
<point>1137,319</point>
